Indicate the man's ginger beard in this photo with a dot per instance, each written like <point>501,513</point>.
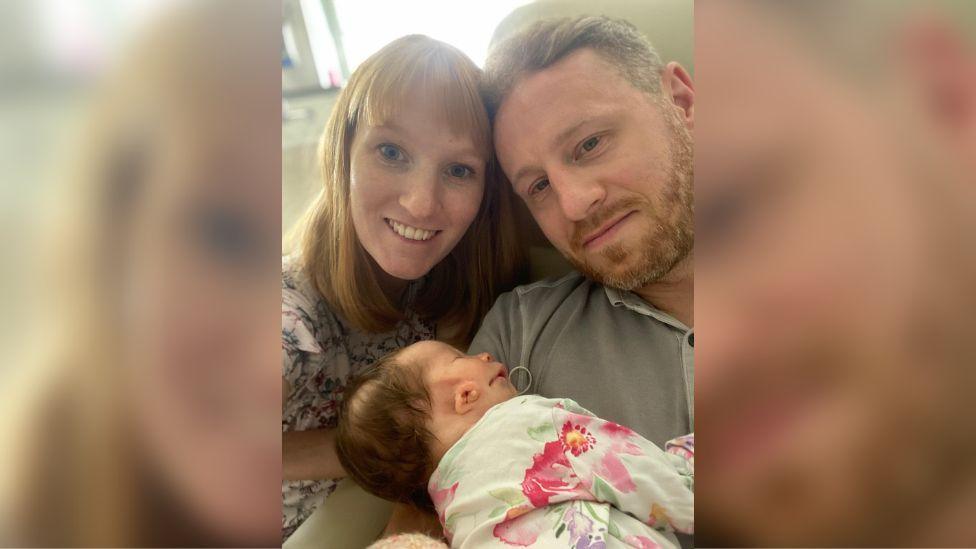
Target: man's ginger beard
<point>671,233</point>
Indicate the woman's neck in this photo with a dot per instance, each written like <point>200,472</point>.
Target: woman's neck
<point>391,286</point>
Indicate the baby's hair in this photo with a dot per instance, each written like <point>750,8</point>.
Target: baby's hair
<point>382,440</point>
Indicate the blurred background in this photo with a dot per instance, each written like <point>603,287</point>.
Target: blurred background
<point>51,54</point>
<point>140,223</point>
<point>835,217</point>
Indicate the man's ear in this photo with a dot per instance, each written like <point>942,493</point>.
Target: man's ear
<point>465,395</point>
<point>677,85</point>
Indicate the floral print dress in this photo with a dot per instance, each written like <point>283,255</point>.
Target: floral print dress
<point>538,472</point>
<point>320,353</point>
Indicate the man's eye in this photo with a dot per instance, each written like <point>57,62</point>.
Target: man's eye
<point>459,171</point>
<point>586,146</point>
<point>538,187</point>
<point>390,152</point>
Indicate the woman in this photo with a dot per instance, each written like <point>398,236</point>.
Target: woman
<point>410,239</point>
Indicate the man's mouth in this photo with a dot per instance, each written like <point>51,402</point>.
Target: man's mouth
<point>409,232</point>
<point>598,236</point>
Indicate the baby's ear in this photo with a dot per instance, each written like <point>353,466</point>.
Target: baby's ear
<point>465,395</point>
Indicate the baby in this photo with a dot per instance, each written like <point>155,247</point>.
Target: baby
<point>431,426</point>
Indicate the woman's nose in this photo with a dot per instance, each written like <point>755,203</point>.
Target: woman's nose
<point>420,198</point>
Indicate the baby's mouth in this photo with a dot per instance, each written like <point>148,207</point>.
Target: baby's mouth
<point>501,375</point>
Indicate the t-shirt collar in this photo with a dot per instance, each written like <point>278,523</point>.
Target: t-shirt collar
<point>630,300</point>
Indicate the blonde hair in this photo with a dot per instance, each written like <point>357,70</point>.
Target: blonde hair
<point>487,261</point>
<point>548,41</point>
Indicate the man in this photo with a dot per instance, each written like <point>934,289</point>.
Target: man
<point>593,132</point>
<point>836,212</point>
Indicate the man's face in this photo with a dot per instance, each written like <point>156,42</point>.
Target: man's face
<point>605,169</point>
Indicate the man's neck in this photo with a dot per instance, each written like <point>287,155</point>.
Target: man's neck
<point>675,293</point>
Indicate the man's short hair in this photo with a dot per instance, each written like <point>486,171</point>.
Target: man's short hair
<point>546,42</point>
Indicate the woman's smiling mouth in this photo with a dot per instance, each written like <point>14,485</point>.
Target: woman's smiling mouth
<point>410,233</point>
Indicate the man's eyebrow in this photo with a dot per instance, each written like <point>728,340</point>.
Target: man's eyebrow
<point>522,172</point>
<point>565,134</point>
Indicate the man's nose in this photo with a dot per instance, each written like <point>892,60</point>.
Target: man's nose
<point>421,196</point>
<point>578,195</point>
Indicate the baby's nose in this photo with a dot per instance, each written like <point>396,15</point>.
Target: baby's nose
<point>486,357</point>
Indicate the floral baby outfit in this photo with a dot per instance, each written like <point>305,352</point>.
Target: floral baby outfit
<point>320,353</point>
<point>547,473</point>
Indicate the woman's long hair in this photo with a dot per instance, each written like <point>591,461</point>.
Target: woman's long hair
<point>488,259</point>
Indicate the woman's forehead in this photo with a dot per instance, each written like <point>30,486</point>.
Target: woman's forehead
<point>444,104</point>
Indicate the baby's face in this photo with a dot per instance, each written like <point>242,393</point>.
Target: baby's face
<point>460,385</point>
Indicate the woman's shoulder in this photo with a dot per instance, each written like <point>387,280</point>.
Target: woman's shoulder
<point>305,315</point>
<point>297,289</point>
<point>293,276</point>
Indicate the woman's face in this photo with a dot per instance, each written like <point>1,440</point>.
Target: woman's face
<point>415,187</point>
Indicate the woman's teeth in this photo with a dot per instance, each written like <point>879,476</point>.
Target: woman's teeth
<point>409,232</point>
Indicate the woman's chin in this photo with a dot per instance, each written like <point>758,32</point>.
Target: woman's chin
<point>408,270</point>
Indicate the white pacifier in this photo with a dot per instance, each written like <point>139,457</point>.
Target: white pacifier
<point>527,377</point>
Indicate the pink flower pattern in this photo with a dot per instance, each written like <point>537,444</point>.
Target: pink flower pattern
<point>580,461</point>
<point>550,475</point>
<point>576,438</point>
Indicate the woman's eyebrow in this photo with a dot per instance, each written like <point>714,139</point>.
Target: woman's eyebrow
<point>389,126</point>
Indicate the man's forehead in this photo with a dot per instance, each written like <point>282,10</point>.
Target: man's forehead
<point>582,71</point>
<point>550,102</point>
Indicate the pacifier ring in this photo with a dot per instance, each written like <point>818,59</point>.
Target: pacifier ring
<point>527,377</point>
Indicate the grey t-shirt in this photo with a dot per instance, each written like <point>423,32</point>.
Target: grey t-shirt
<point>609,350</point>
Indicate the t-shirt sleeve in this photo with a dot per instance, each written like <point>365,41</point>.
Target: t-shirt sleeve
<point>501,332</point>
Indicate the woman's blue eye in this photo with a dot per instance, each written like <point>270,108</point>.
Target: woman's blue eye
<point>390,152</point>
<point>459,171</point>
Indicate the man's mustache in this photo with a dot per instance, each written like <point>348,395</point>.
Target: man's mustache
<point>585,227</point>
